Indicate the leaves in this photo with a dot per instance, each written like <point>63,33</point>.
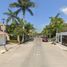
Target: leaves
<point>55,26</point>
<point>14,5</point>
<point>23,5</point>
<point>12,16</point>
<point>29,10</point>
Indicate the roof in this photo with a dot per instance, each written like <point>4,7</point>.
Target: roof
<point>62,33</point>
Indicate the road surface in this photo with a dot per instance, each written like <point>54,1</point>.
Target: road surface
<point>34,54</point>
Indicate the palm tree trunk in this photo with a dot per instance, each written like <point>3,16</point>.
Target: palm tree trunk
<point>57,30</point>
<point>50,35</point>
<point>23,38</point>
<point>23,29</point>
<point>18,39</point>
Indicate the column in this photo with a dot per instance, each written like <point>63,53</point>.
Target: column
<point>61,38</point>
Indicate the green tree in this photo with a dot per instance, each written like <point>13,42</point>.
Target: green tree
<point>12,16</point>
<point>29,28</point>
<point>23,5</point>
<point>55,26</point>
<point>57,23</point>
<point>45,31</point>
<point>16,29</point>
<point>19,29</point>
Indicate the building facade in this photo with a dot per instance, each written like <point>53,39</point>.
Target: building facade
<point>2,27</point>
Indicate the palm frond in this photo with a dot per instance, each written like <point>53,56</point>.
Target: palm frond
<point>31,4</point>
<point>29,10</point>
<point>57,15</point>
<point>16,12</point>
<point>8,19</point>
<point>6,13</point>
<point>24,10</point>
<point>15,4</point>
<point>10,11</point>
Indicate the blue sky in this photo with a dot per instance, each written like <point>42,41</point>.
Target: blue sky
<point>43,10</point>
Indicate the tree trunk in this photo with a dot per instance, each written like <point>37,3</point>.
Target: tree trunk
<point>18,39</point>
<point>23,38</point>
<point>50,35</point>
<point>56,30</point>
<point>23,29</point>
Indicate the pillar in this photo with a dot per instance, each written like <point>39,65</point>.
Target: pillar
<point>61,38</point>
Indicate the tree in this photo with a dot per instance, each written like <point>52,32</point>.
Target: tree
<point>12,16</point>
<point>64,29</point>
<point>19,29</point>
<point>45,31</point>
<point>15,29</point>
<point>55,26</point>
<point>29,28</point>
<point>57,23</point>
<point>23,5</point>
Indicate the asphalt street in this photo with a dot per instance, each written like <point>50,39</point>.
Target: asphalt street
<point>35,54</point>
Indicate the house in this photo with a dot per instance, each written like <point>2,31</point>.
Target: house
<point>2,27</point>
<point>61,37</point>
<point>2,38</point>
<point>3,35</point>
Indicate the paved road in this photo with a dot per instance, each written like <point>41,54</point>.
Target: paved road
<point>35,54</point>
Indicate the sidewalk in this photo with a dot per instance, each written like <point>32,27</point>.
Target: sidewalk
<point>16,56</point>
<point>12,47</point>
<point>8,46</point>
<point>58,45</point>
<point>61,46</point>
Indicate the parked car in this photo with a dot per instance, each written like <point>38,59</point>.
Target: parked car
<point>44,39</point>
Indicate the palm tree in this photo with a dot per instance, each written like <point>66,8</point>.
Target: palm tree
<point>12,16</point>
<point>45,31</point>
<point>23,5</point>
<point>56,22</point>
<point>29,28</point>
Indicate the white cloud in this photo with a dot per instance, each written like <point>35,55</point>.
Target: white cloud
<point>64,10</point>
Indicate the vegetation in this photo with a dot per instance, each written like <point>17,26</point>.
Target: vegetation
<point>16,30</point>
<point>12,16</point>
<point>55,26</point>
<point>23,6</point>
<point>19,28</point>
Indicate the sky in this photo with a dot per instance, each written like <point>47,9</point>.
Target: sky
<point>42,11</point>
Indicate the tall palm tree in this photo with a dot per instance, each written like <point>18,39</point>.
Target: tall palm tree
<point>57,22</point>
<point>19,30</point>
<point>12,16</point>
<point>23,5</point>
